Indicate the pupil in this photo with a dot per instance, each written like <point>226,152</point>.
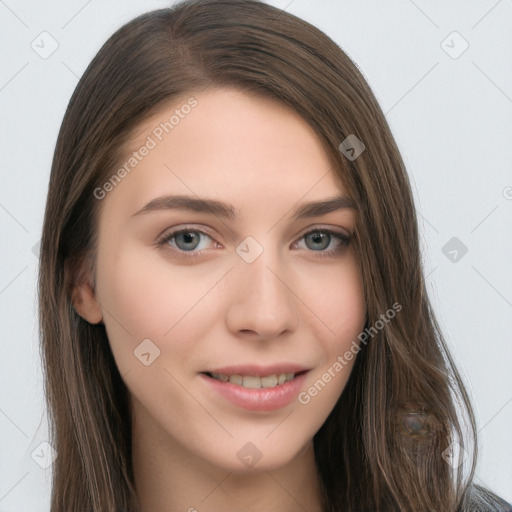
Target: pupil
<point>188,238</point>
<point>317,239</point>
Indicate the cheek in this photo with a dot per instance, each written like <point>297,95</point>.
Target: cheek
<point>146,297</point>
<point>337,299</point>
<point>335,295</point>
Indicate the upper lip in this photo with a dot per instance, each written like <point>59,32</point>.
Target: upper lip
<point>259,371</point>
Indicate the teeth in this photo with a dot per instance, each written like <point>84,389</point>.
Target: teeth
<point>251,382</point>
<point>254,382</point>
<point>236,379</point>
<point>269,382</point>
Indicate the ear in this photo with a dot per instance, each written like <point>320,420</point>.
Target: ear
<point>84,301</point>
<point>83,298</point>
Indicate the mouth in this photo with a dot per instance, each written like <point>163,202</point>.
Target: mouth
<point>255,388</point>
<point>255,381</point>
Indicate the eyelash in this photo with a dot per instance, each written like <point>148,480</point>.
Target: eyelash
<point>343,238</point>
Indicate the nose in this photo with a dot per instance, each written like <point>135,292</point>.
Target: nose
<point>262,303</point>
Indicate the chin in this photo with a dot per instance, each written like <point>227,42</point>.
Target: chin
<point>253,457</point>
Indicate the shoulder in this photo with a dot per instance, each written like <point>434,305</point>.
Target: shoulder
<point>480,499</point>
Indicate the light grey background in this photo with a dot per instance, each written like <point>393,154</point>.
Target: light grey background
<point>451,115</point>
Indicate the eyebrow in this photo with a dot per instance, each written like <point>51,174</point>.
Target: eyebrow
<point>228,211</point>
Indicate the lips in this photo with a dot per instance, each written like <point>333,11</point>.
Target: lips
<point>255,387</point>
<point>256,398</point>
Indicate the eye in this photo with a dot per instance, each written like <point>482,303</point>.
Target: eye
<point>325,242</point>
<point>185,240</point>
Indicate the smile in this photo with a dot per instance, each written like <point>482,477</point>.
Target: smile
<point>253,392</point>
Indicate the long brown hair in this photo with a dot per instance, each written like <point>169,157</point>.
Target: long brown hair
<point>384,446</point>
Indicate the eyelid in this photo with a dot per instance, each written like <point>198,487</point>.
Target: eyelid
<point>337,230</point>
<point>174,230</point>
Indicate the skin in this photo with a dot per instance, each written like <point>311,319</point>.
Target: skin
<point>288,305</point>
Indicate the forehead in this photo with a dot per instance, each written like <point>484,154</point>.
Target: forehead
<point>227,143</point>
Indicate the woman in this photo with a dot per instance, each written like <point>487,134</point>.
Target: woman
<point>258,372</point>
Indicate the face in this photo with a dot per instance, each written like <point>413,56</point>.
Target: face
<point>259,291</point>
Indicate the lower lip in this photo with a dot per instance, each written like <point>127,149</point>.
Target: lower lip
<point>261,399</point>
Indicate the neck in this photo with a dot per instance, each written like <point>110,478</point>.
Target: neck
<point>169,477</point>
